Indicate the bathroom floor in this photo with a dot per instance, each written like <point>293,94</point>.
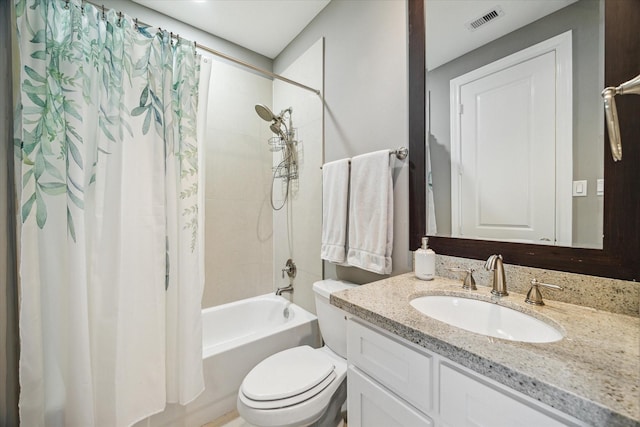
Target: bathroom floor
<point>232,419</point>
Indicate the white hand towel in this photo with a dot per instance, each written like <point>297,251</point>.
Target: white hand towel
<point>371,213</point>
<point>335,192</point>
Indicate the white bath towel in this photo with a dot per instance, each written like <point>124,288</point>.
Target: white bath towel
<point>371,213</point>
<point>335,192</point>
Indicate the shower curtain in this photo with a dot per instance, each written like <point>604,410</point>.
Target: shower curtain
<point>110,204</point>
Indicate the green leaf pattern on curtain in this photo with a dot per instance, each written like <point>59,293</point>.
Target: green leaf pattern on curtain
<point>110,248</point>
<point>73,79</point>
<point>185,104</point>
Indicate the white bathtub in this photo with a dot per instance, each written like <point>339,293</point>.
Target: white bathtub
<point>236,336</point>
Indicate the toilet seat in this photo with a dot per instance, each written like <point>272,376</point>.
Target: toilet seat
<point>287,378</point>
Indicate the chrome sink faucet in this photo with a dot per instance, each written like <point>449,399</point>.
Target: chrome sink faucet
<point>494,263</point>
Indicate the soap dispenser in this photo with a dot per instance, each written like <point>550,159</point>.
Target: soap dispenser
<point>424,263</point>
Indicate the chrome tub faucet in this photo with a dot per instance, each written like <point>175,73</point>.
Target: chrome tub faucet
<point>283,289</point>
<point>291,270</point>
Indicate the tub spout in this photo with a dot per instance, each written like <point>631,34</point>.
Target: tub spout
<point>288,288</point>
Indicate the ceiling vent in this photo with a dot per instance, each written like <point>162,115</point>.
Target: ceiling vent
<point>487,17</point>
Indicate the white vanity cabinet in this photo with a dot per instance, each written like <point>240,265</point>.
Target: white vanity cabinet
<point>392,382</point>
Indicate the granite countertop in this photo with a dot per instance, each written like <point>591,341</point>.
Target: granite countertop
<point>592,374</point>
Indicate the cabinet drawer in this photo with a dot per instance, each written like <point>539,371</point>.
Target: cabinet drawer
<point>371,405</point>
<point>403,370</point>
<point>468,401</point>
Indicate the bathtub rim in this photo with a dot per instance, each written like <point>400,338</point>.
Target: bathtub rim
<point>300,317</point>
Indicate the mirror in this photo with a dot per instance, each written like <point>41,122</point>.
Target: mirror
<point>502,164</point>
<point>620,254</point>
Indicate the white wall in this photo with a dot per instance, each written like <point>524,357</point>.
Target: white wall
<point>238,217</point>
<point>297,226</point>
<point>246,242</point>
<point>366,97</point>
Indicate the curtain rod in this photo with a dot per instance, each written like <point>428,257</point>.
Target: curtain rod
<point>220,54</point>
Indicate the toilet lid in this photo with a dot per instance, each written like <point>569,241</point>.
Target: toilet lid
<point>288,373</point>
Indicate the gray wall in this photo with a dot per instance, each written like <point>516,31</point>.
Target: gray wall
<point>8,287</point>
<point>583,18</point>
<point>365,96</point>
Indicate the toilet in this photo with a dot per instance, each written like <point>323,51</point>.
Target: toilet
<point>301,386</point>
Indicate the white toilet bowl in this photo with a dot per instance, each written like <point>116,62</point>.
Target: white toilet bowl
<point>294,387</point>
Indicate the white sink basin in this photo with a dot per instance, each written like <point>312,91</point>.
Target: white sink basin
<point>486,318</point>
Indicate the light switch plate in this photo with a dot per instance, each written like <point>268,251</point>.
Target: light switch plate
<point>599,187</point>
<point>580,188</point>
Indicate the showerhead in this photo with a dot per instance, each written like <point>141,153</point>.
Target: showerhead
<point>265,113</point>
<point>277,129</point>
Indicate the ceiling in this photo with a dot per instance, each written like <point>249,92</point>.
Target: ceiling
<point>448,37</point>
<point>268,26</point>
<point>263,26</point>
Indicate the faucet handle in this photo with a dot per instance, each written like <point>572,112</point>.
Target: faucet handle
<point>468,282</point>
<point>290,269</point>
<point>534,296</point>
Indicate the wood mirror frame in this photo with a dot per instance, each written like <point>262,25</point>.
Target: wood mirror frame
<point>620,255</point>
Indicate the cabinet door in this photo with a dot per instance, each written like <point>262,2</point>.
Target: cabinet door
<point>403,370</point>
<point>371,405</point>
<point>466,401</point>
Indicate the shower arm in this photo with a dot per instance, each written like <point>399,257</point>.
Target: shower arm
<point>629,87</point>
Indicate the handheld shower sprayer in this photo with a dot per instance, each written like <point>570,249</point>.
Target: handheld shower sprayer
<point>287,169</point>
<point>276,127</point>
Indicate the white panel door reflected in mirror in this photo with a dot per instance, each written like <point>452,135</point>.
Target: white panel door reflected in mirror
<point>453,50</point>
<point>511,147</point>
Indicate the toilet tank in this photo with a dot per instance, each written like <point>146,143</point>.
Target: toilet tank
<point>332,320</point>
